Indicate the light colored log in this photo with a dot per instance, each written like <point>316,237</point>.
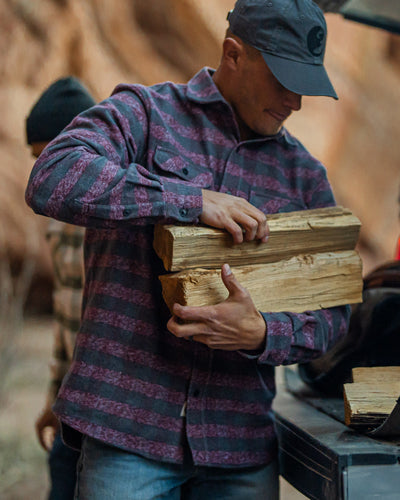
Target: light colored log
<point>298,284</point>
<point>292,233</point>
<point>374,374</point>
<point>369,404</point>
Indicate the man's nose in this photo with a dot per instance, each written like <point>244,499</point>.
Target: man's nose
<point>292,100</point>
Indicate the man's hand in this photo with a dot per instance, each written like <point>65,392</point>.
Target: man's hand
<point>231,325</point>
<point>46,426</point>
<point>234,214</point>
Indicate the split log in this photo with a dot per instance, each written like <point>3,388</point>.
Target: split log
<point>298,284</point>
<point>375,374</point>
<point>305,232</point>
<point>368,404</point>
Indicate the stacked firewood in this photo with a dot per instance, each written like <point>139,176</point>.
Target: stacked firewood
<point>309,262</point>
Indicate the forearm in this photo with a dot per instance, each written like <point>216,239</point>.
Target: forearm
<point>131,195</point>
<point>58,369</point>
<point>60,360</point>
<point>92,175</point>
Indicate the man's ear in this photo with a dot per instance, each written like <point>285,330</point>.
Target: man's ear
<point>233,50</point>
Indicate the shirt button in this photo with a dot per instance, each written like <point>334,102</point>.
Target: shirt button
<point>185,171</point>
<point>183,212</point>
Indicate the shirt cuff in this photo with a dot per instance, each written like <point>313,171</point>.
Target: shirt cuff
<point>256,353</point>
<point>279,338</point>
<point>183,202</point>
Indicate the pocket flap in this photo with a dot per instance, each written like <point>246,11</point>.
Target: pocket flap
<point>174,164</point>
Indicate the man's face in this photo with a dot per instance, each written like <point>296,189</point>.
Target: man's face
<point>260,102</point>
<point>37,148</point>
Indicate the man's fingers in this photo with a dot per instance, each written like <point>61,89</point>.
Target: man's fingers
<point>263,230</point>
<point>252,228</point>
<point>46,426</point>
<point>258,225</point>
<point>40,436</point>
<point>188,313</point>
<point>236,215</point>
<point>235,230</point>
<point>186,329</point>
<point>44,437</point>
<point>248,224</point>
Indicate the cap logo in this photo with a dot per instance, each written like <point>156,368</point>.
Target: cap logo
<point>315,40</point>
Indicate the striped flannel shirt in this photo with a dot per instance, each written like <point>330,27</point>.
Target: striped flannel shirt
<point>142,157</point>
<point>66,247</point>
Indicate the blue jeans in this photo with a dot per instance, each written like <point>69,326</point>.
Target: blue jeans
<point>108,473</point>
<point>62,466</point>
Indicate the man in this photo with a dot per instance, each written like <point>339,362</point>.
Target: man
<point>54,109</point>
<point>163,407</point>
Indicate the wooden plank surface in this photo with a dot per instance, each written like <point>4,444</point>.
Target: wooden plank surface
<point>374,374</point>
<point>298,284</point>
<point>293,233</point>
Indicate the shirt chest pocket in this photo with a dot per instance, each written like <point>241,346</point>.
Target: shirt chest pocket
<point>170,164</point>
<point>271,203</point>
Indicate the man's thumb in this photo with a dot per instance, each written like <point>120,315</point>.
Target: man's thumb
<point>229,279</point>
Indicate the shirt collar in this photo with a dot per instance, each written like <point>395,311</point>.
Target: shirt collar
<point>202,89</point>
<point>287,137</point>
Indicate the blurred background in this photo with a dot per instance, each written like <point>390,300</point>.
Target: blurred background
<point>106,42</point>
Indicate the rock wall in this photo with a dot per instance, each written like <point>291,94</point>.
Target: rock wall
<point>106,42</point>
<point>357,137</point>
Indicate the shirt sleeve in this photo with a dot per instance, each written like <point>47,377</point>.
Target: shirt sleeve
<point>93,174</point>
<point>298,338</point>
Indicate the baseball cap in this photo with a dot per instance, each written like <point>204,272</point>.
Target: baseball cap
<point>291,36</point>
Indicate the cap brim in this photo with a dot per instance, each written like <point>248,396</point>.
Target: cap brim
<point>300,78</point>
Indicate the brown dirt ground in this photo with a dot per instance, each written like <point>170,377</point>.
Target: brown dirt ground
<point>23,469</point>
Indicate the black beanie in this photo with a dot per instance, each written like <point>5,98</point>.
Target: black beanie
<point>56,108</point>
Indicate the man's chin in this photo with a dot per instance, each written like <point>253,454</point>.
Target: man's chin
<point>270,131</point>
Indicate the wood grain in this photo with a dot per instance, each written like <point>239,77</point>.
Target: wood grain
<point>297,284</point>
<point>291,234</point>
<point>368,404</point>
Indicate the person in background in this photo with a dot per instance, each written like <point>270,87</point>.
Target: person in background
<point>55,109</point>
<point>181,407</point>
<point>397,255</point>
